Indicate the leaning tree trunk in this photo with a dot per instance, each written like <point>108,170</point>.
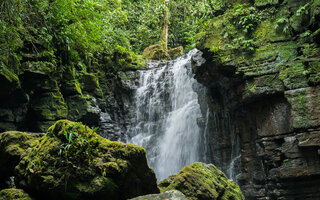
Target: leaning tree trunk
<point>164,33</point>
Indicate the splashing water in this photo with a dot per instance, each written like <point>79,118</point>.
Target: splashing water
<point>166,116</point>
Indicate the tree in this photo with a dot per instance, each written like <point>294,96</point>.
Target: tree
<point>165,26</point>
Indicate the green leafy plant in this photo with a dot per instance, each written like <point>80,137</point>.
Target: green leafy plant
<point>78,142</point>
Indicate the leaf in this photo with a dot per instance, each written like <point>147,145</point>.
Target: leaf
<point>95,129</point>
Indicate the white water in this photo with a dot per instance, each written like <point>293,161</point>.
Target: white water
<point>166,116</point>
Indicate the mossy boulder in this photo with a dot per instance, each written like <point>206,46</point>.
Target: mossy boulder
<point>156,52</point>
<point>17,194</point>
<point>13,146</point>
<point>175,52</point>
<point>200,181</point>
<point>73,162</point>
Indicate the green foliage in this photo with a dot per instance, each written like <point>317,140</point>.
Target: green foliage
<point>282,25</point>
<point>81,33</point>
<point>236,27</point>
<point>294,76</point>
<point>245,18</point>
<point>77,142</point>
<point>187,19</point>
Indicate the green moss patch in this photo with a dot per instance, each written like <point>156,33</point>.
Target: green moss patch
<point>202,182</point>
<point>73,162</point>
<point>16,194</point>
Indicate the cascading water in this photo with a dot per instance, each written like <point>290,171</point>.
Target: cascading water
<point>173,122</point>
<point>166,116</point>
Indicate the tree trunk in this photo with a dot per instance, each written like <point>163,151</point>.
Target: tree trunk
<point>164,33</point>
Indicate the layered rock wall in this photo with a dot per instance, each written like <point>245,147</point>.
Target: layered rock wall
<point>263,67</point>
<point>37,96</point>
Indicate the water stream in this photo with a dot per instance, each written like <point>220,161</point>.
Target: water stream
<point>167,118</point>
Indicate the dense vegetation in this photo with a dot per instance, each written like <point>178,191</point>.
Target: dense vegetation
<point>79,32</point>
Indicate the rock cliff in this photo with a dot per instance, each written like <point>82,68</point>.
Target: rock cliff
<point>263,72</point>
<point>40,93</point>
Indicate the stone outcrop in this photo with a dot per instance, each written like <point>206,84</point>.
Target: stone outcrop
<point>40,93</point>
<point>200,181</point>
<point>71,161</point>
<point>262,72</point>
<point>157,52</point>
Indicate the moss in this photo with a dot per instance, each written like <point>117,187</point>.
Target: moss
<point>43,67</point>
<point>175,52</point>
<point>266,32</point>
<point>156,52</point>
<point>232,30</point>
<point>77,107</point>
<point>90,83</point>
<point>272,51</point>
<point>265,3</point>
<point>9,75</point>
<point>314,70</point>
<point>17,194</point>
<point>299,101</point>
<point>294,76</point>
<point>203,182</point>
<point>74,162</point>
<point>50,106</point>
<point>14,146</point>
<point>96,185</point>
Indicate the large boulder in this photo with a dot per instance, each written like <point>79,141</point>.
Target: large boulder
<point>200,181</point>
<point>156,52</point>
<point>72,162</point>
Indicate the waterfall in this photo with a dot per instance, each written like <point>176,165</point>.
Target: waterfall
<point>167,114</point>
<point>172,120</point>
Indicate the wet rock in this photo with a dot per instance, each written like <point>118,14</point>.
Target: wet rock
<point>200,181</point>
<point>271,93</point>
<point>171,194</point>
<point>305,106</point>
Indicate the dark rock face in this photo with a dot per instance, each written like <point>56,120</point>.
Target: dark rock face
<point>38,97</point>
<point>272,94</point>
